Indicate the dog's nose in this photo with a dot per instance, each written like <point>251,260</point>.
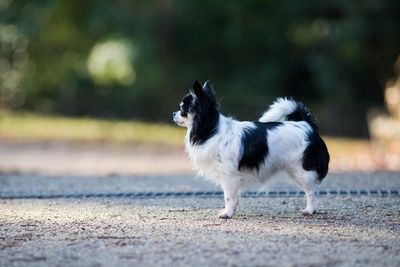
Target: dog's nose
<point>173,115</point>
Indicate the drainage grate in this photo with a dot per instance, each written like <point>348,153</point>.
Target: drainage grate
<point>194,194</point>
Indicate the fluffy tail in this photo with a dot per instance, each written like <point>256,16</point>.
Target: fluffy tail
<point>284,109</point>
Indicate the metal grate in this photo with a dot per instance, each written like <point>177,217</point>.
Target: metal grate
<point>194,194</point>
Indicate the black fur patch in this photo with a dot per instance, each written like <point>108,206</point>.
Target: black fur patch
<point>302,113</point>
<point>316,156</point>
<point>255,146</point>
<point>204,127</point>
<point>205,116</point>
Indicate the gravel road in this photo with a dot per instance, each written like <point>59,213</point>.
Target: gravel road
<point>266,231</point>
<point>360,231</point>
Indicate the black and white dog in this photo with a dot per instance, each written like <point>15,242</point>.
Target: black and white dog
<point>237,154</point>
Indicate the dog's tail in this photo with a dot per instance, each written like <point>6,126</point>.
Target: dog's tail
<point>284,109</point>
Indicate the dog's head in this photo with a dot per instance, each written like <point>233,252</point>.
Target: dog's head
<point>197,106</point>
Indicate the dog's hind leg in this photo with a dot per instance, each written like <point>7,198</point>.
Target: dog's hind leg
<point>307,180</point>
<point>231,189</point>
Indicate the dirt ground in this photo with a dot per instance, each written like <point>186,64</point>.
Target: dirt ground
<point>359,231</point>
<point>185,231</point>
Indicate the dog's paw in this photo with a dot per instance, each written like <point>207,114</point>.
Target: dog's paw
<point>308,212</point>
<point>225,215</point>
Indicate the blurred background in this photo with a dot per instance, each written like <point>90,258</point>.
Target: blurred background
<point>103,77</point>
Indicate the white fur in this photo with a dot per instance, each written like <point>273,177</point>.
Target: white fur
<point>218,158</point>
<point>279,110</point>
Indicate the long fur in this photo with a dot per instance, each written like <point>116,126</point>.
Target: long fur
<point>237,154</point>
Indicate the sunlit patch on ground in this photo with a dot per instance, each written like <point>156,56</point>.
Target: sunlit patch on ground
<point>92,146</point>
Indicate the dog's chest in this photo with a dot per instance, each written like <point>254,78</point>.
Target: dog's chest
<point>210,162</point>
<point>204,158</point>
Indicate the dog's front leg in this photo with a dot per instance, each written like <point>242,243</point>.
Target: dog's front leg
<point>231,197</point>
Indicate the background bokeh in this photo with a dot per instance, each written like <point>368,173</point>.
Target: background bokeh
<point>135,59</point>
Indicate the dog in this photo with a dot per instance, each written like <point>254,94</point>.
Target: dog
<point>238,154</point>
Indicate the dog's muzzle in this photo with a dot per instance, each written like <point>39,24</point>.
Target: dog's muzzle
<point>177,119</point>
<point>174,115</point>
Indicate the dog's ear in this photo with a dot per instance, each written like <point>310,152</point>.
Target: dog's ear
<point>207,87</point>
<point>197,89</point>
<point>209,91</point>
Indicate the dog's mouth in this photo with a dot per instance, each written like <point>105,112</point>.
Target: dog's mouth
<point>177,121</point>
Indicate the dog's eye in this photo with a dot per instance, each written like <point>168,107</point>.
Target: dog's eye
<point>183,113</point>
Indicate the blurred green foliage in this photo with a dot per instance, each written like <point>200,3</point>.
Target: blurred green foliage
<point>135,59</point>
